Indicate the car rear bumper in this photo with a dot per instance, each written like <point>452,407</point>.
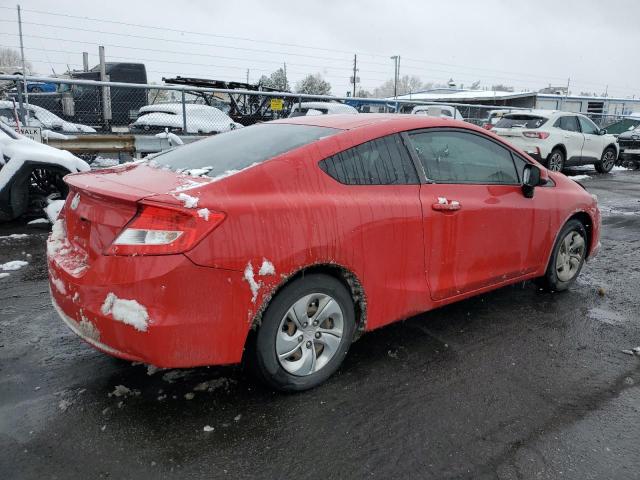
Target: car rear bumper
<point>193,313</point>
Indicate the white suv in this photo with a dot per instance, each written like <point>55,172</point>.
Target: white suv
<point>558,139</point>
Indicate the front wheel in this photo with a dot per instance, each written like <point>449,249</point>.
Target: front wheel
<point>567,258</point>
<point>305,334</point>
<point>607,161</point>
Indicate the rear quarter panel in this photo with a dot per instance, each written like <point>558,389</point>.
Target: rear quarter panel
<point>290,213</point>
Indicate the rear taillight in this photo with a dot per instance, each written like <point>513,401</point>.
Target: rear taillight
<point>164,230</point>
<point>540,135</point>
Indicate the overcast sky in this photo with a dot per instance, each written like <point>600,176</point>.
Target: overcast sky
<point>524,44</point>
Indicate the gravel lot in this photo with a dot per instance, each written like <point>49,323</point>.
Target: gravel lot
<point>513,384</point>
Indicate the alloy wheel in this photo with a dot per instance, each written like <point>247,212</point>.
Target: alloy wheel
<point>570,256</point>
<point>555,162</point>
<point>309,334</point>
<point>608,159</point>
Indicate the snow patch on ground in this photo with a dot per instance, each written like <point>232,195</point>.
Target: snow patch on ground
<point>253,285</point>
<point>266,268</point>
<point>14,236</point>
<point>204,213</point>
<point>187,200</point>
<point>3,275</point>
<point>580,177</point>
<point>13,265</point>
<point>38,220</point>
<point>208,428</point>
<point>122,391</point>
<point>128,312</point>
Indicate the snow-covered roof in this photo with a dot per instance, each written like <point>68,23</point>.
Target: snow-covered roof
<point>332,107</point>
<point>465,95</point>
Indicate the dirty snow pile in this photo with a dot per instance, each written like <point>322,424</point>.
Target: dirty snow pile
<point>23,149</point>
<point>266,268</point>
<point>129,312</point>
<point>13,265</point>
<point>53,210</point>
<point>38,220</point>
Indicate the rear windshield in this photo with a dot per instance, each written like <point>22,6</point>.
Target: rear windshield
<point>522,121</point>
<point>241,148</point>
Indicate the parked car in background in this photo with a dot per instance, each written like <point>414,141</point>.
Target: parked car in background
<point>282,241</point>
<point>627,124</point>
<point>200,119</point>
<point>629,143</point>
<point>559,139</point>
<point>442,111</point>
<point>39,117</point>
<point>320,108</point>
<point>493,118</point>
<point>31,174</point>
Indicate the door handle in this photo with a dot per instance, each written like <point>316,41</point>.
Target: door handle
<point>446,207</point>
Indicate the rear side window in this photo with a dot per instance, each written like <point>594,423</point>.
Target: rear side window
<point>521,121</point>
<point>588,126</point>
<point>459,157</point>
<point>242,148</point>
<point>569,123</point>
<point>384,161</point>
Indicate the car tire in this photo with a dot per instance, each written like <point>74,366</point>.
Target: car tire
<point>607,161</point>
<point>556,160</point>
<point>290,327</point>
<point>562,271</point>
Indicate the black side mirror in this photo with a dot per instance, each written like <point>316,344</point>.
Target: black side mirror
<point>530,179</point>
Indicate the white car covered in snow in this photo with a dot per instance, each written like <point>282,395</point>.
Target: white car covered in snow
<point>31,174</point>
<point>441,111</point>
<point>40,117</point>
<point>320,108</point>
<point>200,119</point>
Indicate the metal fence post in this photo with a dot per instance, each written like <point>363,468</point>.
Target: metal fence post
<point>184,114</point>
<point>21,114</point>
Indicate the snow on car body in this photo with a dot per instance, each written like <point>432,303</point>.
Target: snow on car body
<point>200,119</point>
<point>315,228</point>
<point>320,108</point>
<point>442,111</point>
<point>31,172</point>
<point>40,117</point>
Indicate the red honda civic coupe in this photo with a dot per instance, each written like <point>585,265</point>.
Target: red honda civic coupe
<point>281,242</point>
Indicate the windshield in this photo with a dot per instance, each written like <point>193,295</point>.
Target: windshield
<point>521,121</point>
<point>241,148</point>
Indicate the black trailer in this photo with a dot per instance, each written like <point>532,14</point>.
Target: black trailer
<point>245,109</point>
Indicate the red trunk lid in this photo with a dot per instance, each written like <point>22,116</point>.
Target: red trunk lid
<point>101,203</point>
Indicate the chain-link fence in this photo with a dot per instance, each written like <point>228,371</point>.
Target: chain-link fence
<point>60,107</point>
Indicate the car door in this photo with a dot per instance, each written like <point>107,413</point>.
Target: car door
<point>479,229</point>
<point>593,147</point>
<point>572,137</point>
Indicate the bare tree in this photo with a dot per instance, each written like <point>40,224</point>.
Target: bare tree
<point>277,80</point>
<point>406,84</point>
<point>10,59</point>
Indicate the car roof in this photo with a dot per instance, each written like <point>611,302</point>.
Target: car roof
<point>393,121</point>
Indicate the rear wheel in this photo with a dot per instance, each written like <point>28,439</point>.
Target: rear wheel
<point>607,161</point>
<point>555,160</point>
<point>567,258</point>
<point>305,334</point>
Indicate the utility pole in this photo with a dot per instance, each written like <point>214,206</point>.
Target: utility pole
<point>396,74</point>
<point>355,71</point>
<point>85,61</point>
<point>284,88</point>
<point>24,113</point>
<point>106,91</point>
<point>567,92</point>
<point>247,76</point>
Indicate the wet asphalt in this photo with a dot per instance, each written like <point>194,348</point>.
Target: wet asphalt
<point>515,384</point>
